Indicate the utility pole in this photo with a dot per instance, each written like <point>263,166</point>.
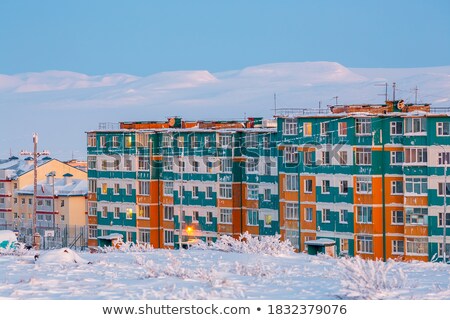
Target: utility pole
<point>35,155</point>
<point>181,198</point>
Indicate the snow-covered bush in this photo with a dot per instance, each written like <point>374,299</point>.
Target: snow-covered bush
<point>369,279</point>
<point>127,247</point>
<point>270,245</point>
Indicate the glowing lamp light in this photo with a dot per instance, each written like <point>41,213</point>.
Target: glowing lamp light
<point>189,230</point>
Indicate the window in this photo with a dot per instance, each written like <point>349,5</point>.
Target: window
<point>142,140</point>
<point>129,213</point>
<point>325,186</point>
<point>291,182</point>
<point>343,157</point>
<point>144,236</point>
<point>396,157</point>
<point>343,187</point>
<point>293,237</point>
<point>417,246</point>
<point>415,126</point>
<point>342,129</point>
<point>208,142</point>
<point>104,165</point>
<point>168,188</point>
<point>396,187</point>
<point>396,128</point>
<point>23,200</point>
<point>397,217</point>
<point>144,163</point>
<point>252,165</point>
<point>92,141</point>
<point>115,141</point>
<point>116,213</point>
<point>326,215</point>
<point>266,142</point>
<point>144,187</point>
<point>225,216</point>
<point>267,168</point>
<point>324,128</point>
<point>309,214</point>
<point>92,232</point>
<point>226,165</point>
<point>307,129</point>
<point>251,140</point>
<point>129,189</point>
<point>416,185</point>
<point>116,188</point>
<point>443,129</point>
<point>180,142</point>
<point>364,244</point>
<point>363,126</point>
<point>290,126</point>
<point>104,188</point>
<point>104,212</point>
<point>308,186</point>
<point>195,141</point>
<point>252,192</point>
<point>195,192</point>
<point>167,140</point>
<point>168,237</point>
<point>225,140</point>
<point>443,158</point>
<point>168,163</point>
<point>363,156</point>
<point>168,213</point>
<point>416,155</point>
<point>195,166</point>
<point>325,157</point>
<point>209,166</point>
<point>225,190</point>
<point>447,250</point>
<point>343,245</point>
<point>291,211</point>
<point>267,195</point>
<point>398,247</point>
<point>92,162</point>
<point>252,217</point>
<point>128,165</point>
<point>308,158</point>
<point>267,220</point>
<point>343,216</point>
<point>128,141</point>
<point>363,214</point>
<point>195,216</point>
<point>440,219</point>
<point>363,185</point>
<point>92,187</point>
<point>209,217</point>
<point>144,212</point>
<point>209,192</point>
<point>416,216</point>
<point>102,141</point>
<point>116,164</point>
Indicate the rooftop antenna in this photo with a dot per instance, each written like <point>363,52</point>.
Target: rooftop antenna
<point>416,90</point>
<point>385,94</point>
<point>336,98</point>
<point>275,102</point>
<point>393,91</point>
<point>320,104</point>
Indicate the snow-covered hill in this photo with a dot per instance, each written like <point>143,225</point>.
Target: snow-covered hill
<point>69,103</point>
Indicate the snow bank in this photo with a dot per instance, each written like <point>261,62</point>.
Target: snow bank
<point>270,245</point>
<point>61,256</point>
<point>7,239</point>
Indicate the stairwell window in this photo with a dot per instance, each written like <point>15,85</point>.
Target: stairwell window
<point>415,126</point>
<point>290,126</point>
<point>195,166</point>
<point>363,126</point>
<point>363,156</point>
<point>104,188</point>
<point>443,129</point>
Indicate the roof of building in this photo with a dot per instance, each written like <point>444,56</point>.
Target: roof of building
<point>20,166</point>
<point>63,187</point>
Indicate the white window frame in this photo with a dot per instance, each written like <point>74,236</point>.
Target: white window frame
<point>308,214</point>
<point>396,128</point>
<point>290,126</point>
<point>252,217</point>
<point>291,211</point>
<point>291,182</point>
<point>443,129</point>
<point>226,216</point>
<point>364,244</point>
<point>326,215</point>
<point>364,214</point>
<point>363,156</point>
<point>290,154</point>
<point>397,218</point>
<point>225,190</point>
<point>363,126</point>
<point>252,192</point>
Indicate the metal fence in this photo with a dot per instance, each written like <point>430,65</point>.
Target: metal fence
<point>72,236</point>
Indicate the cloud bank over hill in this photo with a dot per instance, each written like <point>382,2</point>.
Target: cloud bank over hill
<point>61,105</point>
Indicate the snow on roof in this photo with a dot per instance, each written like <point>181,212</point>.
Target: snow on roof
<point>112,236</point>
<point>76,187</point>
<point>20,166</point>
<point>320,242</point>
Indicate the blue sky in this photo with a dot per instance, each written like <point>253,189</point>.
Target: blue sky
<point>142,37</point>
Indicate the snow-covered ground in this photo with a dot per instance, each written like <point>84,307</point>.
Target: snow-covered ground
<point>214,274</point>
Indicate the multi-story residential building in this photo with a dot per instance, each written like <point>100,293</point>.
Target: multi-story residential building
<point>16,194</point>
<point>370,177</point>
<point>213,177</point>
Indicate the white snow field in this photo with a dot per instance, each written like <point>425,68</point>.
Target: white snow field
<point>240,273</point>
